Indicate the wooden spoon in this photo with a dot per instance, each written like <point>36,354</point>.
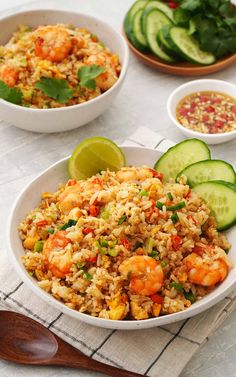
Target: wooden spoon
<point>25,341</point>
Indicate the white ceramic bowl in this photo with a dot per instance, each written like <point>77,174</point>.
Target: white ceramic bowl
<point>194,87</point>
<point>48,181</point>
<point>65,118</point>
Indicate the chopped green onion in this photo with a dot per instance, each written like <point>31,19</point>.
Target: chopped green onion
<point>159,205</point>
<point>113,252</point>
<point>31,273</point>
<point>144,193</point>
<point>51,230</point>
<point>149,245</point>
<point>38,246</point>
<point>87,276</point>
<point>164,264</point>
<point>169,196</point>
<point>129,275</point>
<point>175,218</point>
<point>154,254</point>
<point>177,206</point>
<point>103,242</point>
<point>190,296</point>
<point>68,224</point>
<point>122,219</point>
<point>80,266</point>
<point>100,248</point>
<point>177,286</point>
<point>227,251</point>
<point>137,245</point>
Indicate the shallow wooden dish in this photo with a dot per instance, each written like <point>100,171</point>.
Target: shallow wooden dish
<point>181,68</point>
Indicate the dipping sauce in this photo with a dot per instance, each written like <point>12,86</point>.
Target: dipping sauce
<point>207,112</point>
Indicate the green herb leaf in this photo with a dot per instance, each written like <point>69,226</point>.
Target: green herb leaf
<point>176,207</point>
<point>68,224</point>
<point>38,246</point>
<point>87,276</point>
<point>103,243</point>
<point>169,196</point>
<point>80,266</point>
<point>87,74</point>
<point>57,89</point>
<point>144,193</point>
<point>175,218</point>
<point>190,296</point>
<point>191,4</point>
<point>177,286</point>
<point>153,254</point>
<point>122,219</point>
<point>51,230</point>
<point>159,205</point>
<point>12,95</point>
<point>138,244</point>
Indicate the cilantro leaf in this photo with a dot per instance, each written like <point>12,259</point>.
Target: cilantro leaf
<point>87,74</point>
<point>15,96</point>
<point>12,95</point>
<point>57,89</point>
<point>191,4</point>
<point>4,90</point>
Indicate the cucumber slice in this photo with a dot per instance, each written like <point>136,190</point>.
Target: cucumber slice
<point>164,8</point>
<point>164,42</point>
<point>139,40</point>
<point>140,4</point>
<point>189,47</point>
<point>181,155</point>
<point>153,21</point>
<point>208,170</point>
<point>221,198</point>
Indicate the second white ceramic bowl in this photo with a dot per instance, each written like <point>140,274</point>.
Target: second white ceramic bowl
<point>65,118</point>
<point>194,87</point>
<point>49,181</point>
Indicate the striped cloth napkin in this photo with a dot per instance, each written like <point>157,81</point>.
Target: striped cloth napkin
<point>161,351</point>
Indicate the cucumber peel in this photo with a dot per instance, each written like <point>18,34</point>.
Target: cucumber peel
<point>180,156</point>
<point>208,170</point>
<point>220,197</point>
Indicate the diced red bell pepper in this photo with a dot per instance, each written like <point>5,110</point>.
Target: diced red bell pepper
<point>176,242</point>
<point>87,230</point>
<point>41,223</point>
<point>71,182</point>
<point>93,210</point>
<point>158,299</point>
<point>92,259</point>
<point>125,242</point>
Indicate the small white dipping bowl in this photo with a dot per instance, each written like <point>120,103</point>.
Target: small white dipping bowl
<point>194,87</point>
<point>64,118</point>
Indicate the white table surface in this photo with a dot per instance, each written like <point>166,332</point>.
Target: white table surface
<point>142,101</point>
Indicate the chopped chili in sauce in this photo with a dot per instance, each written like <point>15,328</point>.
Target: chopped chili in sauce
<point>207,112</point>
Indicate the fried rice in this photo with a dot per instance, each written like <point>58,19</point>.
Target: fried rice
<point>124,245</point>
<point>58,52</point>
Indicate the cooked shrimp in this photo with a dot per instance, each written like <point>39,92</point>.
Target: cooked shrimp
<point>69,198</point>
<point>52,43</point>
<point>58,259</point>
<point>205,272</point>
<point>9,75</point>
<point>129,174</point>
<point>146,275</point>
<point>107,79</point>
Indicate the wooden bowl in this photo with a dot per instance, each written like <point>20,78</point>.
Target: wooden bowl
<point>181,68</point>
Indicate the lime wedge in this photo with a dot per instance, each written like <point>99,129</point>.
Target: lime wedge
<point>93,155</point>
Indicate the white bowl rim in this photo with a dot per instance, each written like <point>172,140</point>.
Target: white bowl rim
<point>100,322</point>
<point>187,130</point>
<point>124,65</point>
